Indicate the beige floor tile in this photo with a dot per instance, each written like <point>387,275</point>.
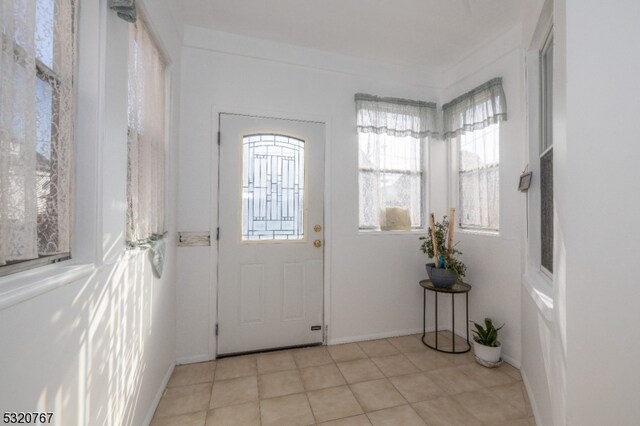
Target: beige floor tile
<point>321,377</point>
<point>377,395</point>
<point>395,365</point>
<point>236,415</point>
<point>279,384</point>
<point>290,410</point>
<point>411,343</point>
<point>444,411</point>
<point>333,403</point>
<point>417,387</point>
<point>519,422</point>
<point>231,368</point>
<point>361,370</point>
<point>234,391</point>
<point>360,420</point>
<point>458,359</point>
<point>516,395</point>
<point>347,352</point>
<point>487,407</point>
<point>311,357</point>
<point>184,399</point>
<point>275,361</point>
<point>191,419</point>
<point>510,370</point>
<point>378,348</point>
<point>486,376</point>
<point>428,360</point>
<point>453,381</point>
<point>444,338</point>
<point>192,374</point>
<point>532,421</point>
<point>403,415</point>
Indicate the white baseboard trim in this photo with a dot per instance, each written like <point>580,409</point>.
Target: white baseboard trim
<point>386,335</point>
<point>194,359</point>
<point>156,400</point>
<point>532,400</point>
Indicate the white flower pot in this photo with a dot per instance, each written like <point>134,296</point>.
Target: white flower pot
<point>487,353</point>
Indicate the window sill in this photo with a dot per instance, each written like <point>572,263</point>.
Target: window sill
<point>479,232</point>
<point>22,286</point>
<point>539,288</point>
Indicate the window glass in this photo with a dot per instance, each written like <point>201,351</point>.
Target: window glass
<point>273,178</point>
<point>546,157</point>
<point>479,179</point>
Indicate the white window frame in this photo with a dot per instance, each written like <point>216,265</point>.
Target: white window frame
<point>454,156</point>
<point>424,147</point>
<point>539,283</point>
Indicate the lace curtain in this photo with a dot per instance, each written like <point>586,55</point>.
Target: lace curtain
<point>391,140</point>
<point>37,53</point>
<point>479,108</point>
<point>471,120</point>
<point>146,153</point>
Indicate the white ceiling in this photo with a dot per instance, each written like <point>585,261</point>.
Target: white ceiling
<point>423,33</point>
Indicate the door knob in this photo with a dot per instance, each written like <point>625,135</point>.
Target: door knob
<point>317,243</point>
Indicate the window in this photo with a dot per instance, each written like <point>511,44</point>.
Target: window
<point>391,138</point>
<point>146,142</point>
<point>273,175</point>
<point>479,179</point>
<point>546,156</point>
<point>37,61</point>
<point>471,123</point>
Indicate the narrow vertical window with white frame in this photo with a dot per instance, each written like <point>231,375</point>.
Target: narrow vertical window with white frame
<point>472,124</point>
<point>146,140</point>
<point>546,156</point>
<point>392,136</point>
<point>37,64</point>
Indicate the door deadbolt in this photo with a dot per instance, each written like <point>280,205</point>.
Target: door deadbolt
<point>317,243</point>
<point>317,228</point>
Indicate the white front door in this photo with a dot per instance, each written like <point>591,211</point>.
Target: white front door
<point>270,249</point>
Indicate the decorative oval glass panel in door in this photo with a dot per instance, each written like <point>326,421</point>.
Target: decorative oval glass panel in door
<point>273,185</point>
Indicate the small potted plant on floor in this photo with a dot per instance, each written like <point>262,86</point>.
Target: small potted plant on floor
<point>486,345</point>
<point>446,269</point>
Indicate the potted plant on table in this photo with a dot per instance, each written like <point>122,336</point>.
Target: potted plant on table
<point>486,345</point>
<point>446,269</point>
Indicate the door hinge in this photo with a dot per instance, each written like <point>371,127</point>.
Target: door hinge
<point>219,138</point>
<point>217,234</point>
<point>216,330</point>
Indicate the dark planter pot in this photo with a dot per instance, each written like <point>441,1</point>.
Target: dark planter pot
<point>440,277</point>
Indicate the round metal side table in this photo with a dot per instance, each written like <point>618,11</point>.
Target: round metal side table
<point>458,288</point>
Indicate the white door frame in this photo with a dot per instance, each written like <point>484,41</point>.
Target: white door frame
<point>215,203</point>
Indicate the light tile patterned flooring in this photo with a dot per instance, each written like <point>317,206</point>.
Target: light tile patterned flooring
<point>396,381</point>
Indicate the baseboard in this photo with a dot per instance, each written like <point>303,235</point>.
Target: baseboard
<point>532,401</point>
<point>386,335</point>
<point>156,400</point>
<point>193,359</point>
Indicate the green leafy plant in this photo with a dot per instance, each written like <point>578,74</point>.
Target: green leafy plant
<point>487,335</point>
<point>448,255</point>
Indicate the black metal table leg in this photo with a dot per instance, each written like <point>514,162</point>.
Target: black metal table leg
<point>453,321</point>
<point>436,321</point>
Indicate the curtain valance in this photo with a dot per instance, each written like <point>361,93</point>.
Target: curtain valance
<point>126,9</point>
<point>395,117</point>
<point>476,109</point>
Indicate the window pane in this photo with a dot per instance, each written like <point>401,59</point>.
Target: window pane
<point>390,182</point>
<point>479,179</point>
<point>546,216</point>
<point>44,37</point>
<point>273,175</point>
<point>547,96</point>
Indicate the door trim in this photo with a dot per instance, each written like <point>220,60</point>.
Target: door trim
<point>214,215</point>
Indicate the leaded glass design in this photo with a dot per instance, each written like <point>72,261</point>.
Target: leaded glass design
<point>273,176</point>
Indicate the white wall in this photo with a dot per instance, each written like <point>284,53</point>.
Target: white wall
<point>373,279</point>
<point>600,183</point>
<point>92,339</point>
<point>493,261</point>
